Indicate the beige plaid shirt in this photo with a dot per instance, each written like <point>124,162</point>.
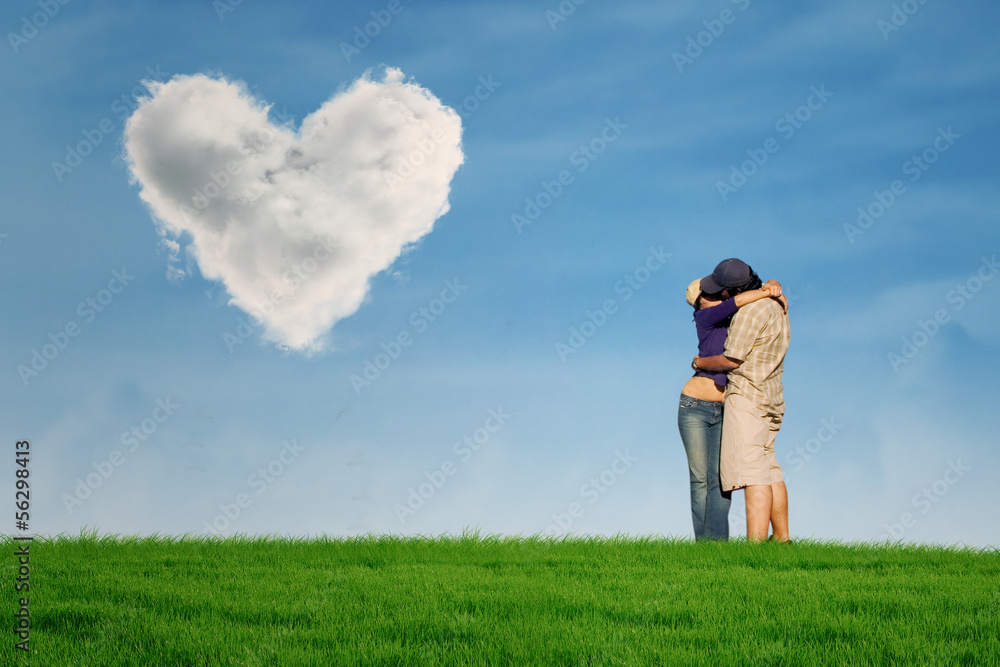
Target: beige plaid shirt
<point>758,336</point>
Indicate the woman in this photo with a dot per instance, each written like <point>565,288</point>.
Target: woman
<point>699,417</point>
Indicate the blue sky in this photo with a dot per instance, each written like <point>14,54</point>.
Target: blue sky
<point>840,106</point>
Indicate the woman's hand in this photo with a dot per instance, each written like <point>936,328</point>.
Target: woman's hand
<point>772,286</point>
<point>783,300</point>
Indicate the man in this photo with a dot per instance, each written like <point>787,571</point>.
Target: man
<point>754,405</point>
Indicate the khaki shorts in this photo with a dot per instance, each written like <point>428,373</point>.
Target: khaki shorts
<point>748,445</point>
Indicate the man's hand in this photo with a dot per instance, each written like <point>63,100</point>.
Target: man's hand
<point>720,363</point>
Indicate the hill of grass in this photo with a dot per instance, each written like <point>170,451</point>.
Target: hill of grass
<point>473,600</point>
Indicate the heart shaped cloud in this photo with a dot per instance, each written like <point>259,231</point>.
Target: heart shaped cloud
<point>293,223</point>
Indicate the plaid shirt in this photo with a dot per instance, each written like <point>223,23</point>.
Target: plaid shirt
<point>758,336</point>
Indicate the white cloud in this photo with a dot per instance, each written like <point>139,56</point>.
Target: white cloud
<point>293,223</point>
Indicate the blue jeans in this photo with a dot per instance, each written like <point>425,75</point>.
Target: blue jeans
<point>700,424</point>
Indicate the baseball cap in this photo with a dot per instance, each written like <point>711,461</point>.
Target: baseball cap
<point>730,272</point>
<point>693,290</point>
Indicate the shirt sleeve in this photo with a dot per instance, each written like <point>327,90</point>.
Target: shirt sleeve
<point>710,317</point>
<point>744,331</point>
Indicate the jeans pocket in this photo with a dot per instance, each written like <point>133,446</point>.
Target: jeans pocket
<point>688,402</point>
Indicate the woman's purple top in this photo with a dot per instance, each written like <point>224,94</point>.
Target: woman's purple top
<point>713,327</point>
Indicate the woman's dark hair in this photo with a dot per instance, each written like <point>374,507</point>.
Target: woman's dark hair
<point>717,296</point>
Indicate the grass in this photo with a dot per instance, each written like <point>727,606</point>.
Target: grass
<point>475,600</point>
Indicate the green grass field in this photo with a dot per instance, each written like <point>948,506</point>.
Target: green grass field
<point>474,600</point>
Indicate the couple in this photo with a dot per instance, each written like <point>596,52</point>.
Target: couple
<point>742,338</point>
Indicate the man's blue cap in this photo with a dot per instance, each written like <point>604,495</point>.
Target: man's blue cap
<point>729,273</point>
